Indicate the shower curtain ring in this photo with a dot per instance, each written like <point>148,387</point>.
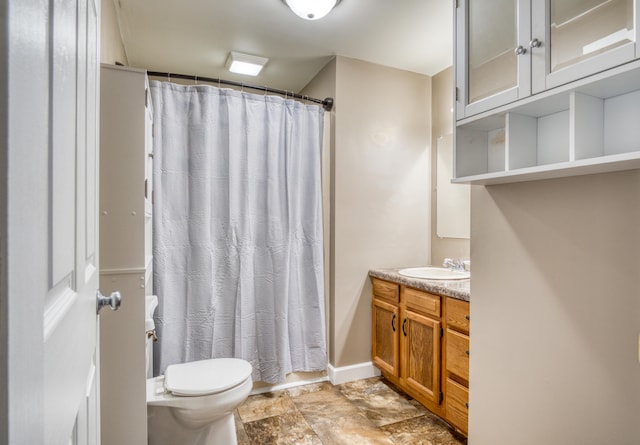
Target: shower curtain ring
<point>169,77</point>
<point>196,76</point>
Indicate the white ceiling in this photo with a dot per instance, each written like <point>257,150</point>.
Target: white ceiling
<point>195,36</point>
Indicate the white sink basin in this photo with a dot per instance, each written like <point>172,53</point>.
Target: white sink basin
<point>434,273</point>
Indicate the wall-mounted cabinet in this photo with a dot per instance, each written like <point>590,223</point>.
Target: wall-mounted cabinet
<point>575,106</point>
<point>509,49</point>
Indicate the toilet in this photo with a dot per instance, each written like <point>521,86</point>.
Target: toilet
<point>193,403</point>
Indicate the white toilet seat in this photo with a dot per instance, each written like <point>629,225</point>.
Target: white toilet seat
<point>197,419</point>
<point>205,377</point>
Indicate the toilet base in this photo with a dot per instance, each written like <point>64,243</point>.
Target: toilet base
<point>163,429</point>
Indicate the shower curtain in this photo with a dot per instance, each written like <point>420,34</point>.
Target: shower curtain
<point>237,239</point>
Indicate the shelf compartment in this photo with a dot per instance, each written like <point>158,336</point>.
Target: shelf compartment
<point>481,147</point>
<point>622,123</point>
<point>586,129</point>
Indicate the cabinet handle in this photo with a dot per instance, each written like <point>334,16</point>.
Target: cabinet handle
<point>535,43</point>
<point>520,50</point>
<point>467,352</point>
<point>468,318</point>
<point>403,325</point>
<point>393,323</point>
<point>467,405</point>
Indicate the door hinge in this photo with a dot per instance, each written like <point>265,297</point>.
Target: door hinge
<point>441,397</point>
<point>457,94</point>
<point>146,98</point>
<point>457,3</point>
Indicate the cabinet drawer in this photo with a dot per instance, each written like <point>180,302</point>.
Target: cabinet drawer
<point>385,291</point>
<point>457,405</point>
<point>422,302</point>
<point>458,315</point>
<point>458,354</point>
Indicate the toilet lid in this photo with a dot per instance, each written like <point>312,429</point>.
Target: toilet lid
<point>206,376</point>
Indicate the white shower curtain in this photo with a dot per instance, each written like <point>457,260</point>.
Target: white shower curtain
<point>238,251</point>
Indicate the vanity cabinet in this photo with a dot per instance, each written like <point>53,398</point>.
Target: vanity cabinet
<point>420,343</point>
<point>456,363</point>
<point>553,92</point>
<point>509,49</point>
<point>407,340</point>
<point>386,322</point>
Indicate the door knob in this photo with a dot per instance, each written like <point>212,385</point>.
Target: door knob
<point>113,301</point>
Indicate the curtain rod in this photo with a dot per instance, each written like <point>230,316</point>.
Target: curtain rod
<point>327,103</point>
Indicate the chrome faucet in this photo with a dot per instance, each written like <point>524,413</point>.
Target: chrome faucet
<point>454,264</point>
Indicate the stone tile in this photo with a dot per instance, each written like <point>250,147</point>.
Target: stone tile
<point>381,404</point>
<point>305,389</point>
<point>423,430</point>
<point>261,406</point>
<point>286,429</point>
<point>241,434</point>
<point>337,421</point>
<point>361,387</point>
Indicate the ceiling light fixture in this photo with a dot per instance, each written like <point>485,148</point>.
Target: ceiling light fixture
<point>311,9</point>
<point>245,64</point>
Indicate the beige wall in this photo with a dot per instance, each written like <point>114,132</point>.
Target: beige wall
<point>442,124</point>
<point>380,196</point>
<point>324,85</point>
<point>556,311</point>
<point>111,47</point>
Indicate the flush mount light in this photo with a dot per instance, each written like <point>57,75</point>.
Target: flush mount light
<point>245,64</point>
<point>311,9</point>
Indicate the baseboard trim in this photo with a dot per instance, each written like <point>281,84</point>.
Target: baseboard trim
<point>345,374</point>
<point>288,385</point>
<point>336,376</point>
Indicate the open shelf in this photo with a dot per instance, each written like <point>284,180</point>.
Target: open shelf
<point>581,129</point>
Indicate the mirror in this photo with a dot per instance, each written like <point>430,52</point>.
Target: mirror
<point>453,201</point>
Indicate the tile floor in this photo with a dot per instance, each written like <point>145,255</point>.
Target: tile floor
<point>367,411</point>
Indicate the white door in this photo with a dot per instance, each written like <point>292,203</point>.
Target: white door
<point>51,124</point>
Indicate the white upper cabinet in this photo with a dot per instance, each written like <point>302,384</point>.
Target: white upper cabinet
<point>578,38</point>
<point>545,89</point>
<point>507,50</point>
<point>493,68</point>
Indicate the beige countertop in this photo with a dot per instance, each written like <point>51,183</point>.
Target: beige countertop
<point>459,289</point>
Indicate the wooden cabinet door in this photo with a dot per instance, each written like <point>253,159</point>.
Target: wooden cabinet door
<point>421,355</point>
<point>457,405</point>
<point>385,336</point>
<point>458,354</point>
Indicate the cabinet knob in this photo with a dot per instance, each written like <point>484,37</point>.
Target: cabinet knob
<point>535,43</point>
<point>467,352</point>
<point>467,317</point>
<point>520,50</point>
<point>467,405</point>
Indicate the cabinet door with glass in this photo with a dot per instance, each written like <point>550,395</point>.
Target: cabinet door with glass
<point>572,39</point>
<point>493,64</point>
